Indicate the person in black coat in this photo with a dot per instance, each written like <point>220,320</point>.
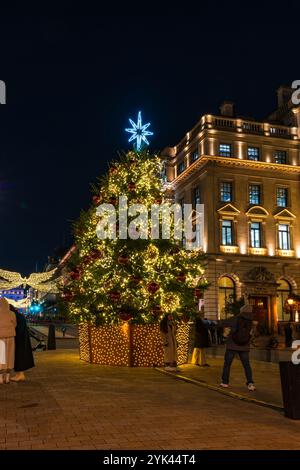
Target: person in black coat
<point>23,353</point>
<point>201,342</point>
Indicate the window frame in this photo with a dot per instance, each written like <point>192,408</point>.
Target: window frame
<point>258,151</point>
<point>223,153</point>
<point>231,191</point>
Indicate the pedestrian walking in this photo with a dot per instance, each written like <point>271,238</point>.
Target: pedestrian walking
<point>23,349</point>
<point>201,342</point>
<point>168,334</point>
<point>238,343</point>
<point>7,341</point>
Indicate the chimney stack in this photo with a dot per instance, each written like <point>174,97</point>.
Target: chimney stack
<point>226,108</point>
<point>284,94</point>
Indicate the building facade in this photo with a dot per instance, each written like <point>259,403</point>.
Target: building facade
<point>247,175</point>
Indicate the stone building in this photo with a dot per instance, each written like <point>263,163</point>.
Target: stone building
<point>247,175</point>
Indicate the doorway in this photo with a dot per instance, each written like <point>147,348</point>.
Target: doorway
<point>260,312</point>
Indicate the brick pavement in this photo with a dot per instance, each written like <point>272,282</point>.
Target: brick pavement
<point>68,404</point>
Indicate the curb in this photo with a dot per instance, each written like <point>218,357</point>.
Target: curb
<point>202,383</point>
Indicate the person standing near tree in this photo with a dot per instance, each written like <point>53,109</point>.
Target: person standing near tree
<point>8,325</point>
<point>23,350</point>
<point>202,341</point>
<point>168,334</point>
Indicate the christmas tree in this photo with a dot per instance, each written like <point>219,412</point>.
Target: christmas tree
<point>120,279</point>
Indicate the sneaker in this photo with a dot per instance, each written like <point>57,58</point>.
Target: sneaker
<point>251,387</point>
<point>224,385</point>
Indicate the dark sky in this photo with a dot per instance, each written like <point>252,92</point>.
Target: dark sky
<point>74,78</point>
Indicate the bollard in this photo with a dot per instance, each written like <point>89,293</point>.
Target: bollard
<point>290,385</point>
<point>51,338</point>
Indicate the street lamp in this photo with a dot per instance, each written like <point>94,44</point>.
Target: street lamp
<point>290,302</point>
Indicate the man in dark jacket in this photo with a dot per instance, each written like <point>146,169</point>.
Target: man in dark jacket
<point>23,352</point>
<point>238,342</point>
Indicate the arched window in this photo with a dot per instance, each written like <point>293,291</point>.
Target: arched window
<point>283,292</point>
<point>226,294</point>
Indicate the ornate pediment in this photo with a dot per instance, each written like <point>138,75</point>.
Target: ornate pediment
<point>257,211</point>
<point>260,274</point>
<point>228,209</point>
<point>284,214</point>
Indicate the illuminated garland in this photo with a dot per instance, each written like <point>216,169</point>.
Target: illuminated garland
<point>38,281</point>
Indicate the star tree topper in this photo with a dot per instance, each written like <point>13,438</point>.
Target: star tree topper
<point>139,132</point>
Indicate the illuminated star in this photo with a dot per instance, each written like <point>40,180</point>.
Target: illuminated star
<point>139,132</point>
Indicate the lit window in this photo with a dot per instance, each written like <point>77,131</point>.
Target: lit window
<point>227,235</point>
<point>254,194</point>
<point>283,293</point>
<point>280,156</point>
<point>195,155</point>
<point>253,153</point>
<point>255,235</point>
<point>282,197</point>
<point>226,295</point>
<point>225,150</point>
<point>226,191</point>
<point>180,167</point>
<point>284,238</point>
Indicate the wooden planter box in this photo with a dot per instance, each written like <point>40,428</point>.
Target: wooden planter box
<point>129,345</point>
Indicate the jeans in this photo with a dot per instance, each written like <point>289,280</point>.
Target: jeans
<point>244,357</point>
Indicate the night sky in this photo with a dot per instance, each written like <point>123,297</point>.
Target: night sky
<point>73,79</point>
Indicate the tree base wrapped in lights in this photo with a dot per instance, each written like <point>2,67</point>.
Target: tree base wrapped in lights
<point>129,345</point>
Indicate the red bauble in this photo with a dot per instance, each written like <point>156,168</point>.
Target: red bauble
<point>153,287</point>
<point>113,200</point>
<point>174,250</point>
<point>198,293</point>
<point>96,254</point>
<point>96,200</point>
<point>113,170</point>
<point>131,186</point>
<point>135,279</point>
<point>181,277</point>
<point>125,316</point>
<point>114,296</point>
<point>75,275</point>
<point>68,297</point>
<point>157,310</point>
<point>123,259</point>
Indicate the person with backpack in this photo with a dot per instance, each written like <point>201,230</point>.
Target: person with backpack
<point>238,343</point>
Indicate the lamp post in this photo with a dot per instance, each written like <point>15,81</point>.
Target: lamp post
<point>290,302</point>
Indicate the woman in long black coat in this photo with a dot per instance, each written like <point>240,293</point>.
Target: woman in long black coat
<point>23,353</point>
<point>201,342</point>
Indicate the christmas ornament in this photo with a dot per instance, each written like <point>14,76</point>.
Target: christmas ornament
<point>131,186</point>
<point>114,296</point>
<point>181,277</point>
<point>198,293</point>
<point>123,259</point>
<point>153,287</point>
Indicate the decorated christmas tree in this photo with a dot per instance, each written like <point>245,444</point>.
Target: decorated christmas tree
<point>137,277</point>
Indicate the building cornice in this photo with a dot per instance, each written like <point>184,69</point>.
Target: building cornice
<point>234,162</point>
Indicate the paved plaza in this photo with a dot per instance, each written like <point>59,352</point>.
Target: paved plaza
<point>69,404</point>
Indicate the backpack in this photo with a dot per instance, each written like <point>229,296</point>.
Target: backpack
<point>241,335</point>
